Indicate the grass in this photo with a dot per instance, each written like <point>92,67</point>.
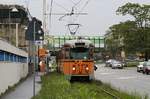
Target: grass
<point>132,64</point>
<point>99,62</point>
<point>55,86</point>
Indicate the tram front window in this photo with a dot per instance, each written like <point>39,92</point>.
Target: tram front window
<point>79,53</point>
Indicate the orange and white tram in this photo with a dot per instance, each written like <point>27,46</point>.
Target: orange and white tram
<point>75,59</point>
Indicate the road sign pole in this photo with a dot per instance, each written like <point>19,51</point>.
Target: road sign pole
<point>34,33</point>
<point>34,50</point>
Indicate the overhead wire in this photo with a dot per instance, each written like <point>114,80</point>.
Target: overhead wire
<point>86,3</point>
<point>27,2</point>
<point>77,3</point>
<point>74,6</point>
<point>59,5</point>
<point>72,1</point>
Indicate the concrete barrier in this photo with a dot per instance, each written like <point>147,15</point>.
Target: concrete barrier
<point>12,71</point>
<point>11,74</point>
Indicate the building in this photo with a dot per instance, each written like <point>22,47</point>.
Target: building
<point>13,21</point>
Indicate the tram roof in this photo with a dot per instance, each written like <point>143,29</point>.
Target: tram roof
<point>73,42</point>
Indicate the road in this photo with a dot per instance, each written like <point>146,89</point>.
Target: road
<point>127,79</point>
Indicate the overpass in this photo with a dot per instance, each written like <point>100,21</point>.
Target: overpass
<point>55,42</point>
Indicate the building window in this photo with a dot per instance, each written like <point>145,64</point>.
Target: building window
<point>10,57</point>
<point>1,55</point>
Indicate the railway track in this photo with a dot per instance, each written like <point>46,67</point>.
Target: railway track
<point>99,90</point>
<point>108,93</point>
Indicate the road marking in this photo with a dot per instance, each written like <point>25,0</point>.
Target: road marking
<point>129,77</point>
<point>105,73</point>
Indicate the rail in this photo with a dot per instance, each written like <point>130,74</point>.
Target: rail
<point>107,92</point>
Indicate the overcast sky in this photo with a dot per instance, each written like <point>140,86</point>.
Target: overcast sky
<point>101,14</point>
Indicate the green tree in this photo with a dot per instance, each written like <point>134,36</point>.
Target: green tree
<point>141,14</point>
<point>122,37</point>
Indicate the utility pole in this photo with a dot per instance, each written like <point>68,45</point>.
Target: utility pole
<point>44,16</point>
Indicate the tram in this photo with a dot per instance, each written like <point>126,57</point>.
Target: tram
<point>75,59</point>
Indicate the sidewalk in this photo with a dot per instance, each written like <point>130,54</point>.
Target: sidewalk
<point>25,89</point>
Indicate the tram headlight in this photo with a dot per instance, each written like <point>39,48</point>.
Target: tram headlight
<point>73,68</point>
<point>87,68</point>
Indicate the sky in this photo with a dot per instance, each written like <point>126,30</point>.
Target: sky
<point>101,14</point>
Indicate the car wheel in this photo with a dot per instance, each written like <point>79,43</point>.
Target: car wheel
<point>147,73</point>
<point>143,72</point>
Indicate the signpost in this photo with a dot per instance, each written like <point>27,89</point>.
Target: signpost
<point>34,33</point>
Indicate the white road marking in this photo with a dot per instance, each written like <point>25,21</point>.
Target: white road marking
<point>106,73</point>
<point>128,77</point>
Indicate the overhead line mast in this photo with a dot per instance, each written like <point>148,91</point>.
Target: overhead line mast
<point>50,16</point>
<point>44,17</point>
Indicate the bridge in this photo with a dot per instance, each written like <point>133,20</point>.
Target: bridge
<point>55,42</point>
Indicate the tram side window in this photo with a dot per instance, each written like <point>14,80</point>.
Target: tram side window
<point>2,56</point>
<point>67,55</point>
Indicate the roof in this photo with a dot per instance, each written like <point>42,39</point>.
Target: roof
<point>6,13</point>
<point>73,42</point>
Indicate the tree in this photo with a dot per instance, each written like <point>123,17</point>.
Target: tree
<point>141,14</point>
<point>122,37</point>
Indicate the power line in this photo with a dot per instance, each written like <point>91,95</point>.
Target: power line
<point>27,2</point>
<point>72,1</point>
<point>59,5</point>
<point>87,2</point>
<point>75,4</point>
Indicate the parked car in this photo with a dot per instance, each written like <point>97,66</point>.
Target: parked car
<point>124,63</point>
<point>109,62</point>
<point>146,67</point>
<point>140,67</point>
<point>117,64</point>
<point>95,67</point>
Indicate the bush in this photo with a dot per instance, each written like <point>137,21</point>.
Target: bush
<point>132,64</point>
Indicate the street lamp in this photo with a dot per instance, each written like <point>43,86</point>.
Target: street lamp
<point>13,10</point>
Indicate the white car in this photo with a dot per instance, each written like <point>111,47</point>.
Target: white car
<point>117,64</point>
<point>109,62</point>
<point>140,67</point>
<point>146,67</point>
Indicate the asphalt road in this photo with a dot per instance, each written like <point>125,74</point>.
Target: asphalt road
<point>127,79</point>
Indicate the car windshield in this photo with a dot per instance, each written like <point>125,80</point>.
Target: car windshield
<point>116,62</point>
<point>110,60</point>
<point>148,63</point>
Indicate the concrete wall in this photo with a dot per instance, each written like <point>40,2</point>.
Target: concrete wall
<point>11,72</point>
